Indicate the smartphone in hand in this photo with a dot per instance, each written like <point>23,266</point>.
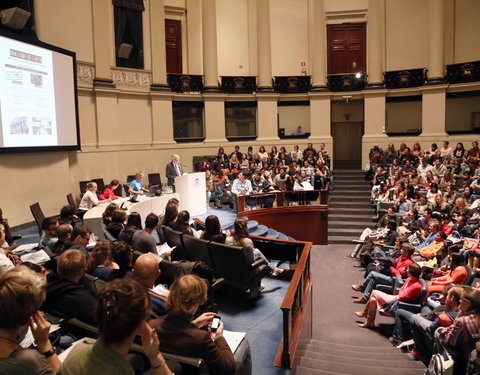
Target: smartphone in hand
<point>215,324</point>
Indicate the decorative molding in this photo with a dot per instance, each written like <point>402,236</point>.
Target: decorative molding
<point>85,72</point>
<point>175,11</point>
<point>134,78</point>
<point>399,79</point>
<point>339,16</point>
<point>239,84</point>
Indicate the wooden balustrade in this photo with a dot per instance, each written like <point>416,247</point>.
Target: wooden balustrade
<point>302,215</point>
<point>294,309</point>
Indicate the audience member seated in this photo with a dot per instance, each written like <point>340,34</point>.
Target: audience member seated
<point>79,239</point>
<point>49,238</point>
<point>213,231</point>
<point>90,199</point>
<point>100,263</point>
<point>136,186</point>
<point>107,214</point>
<point>67,216</point>
<point>122,255</point>
<point>431,250</point>
<point>457,275</point>
<point>143,240</point>
<point>22,292</point>
<point>241,238</point>
<point>109,191</point>
<point>64,233</point>
<point>422,326</point>
<point>180,334</point>
<point>123,309</point>
<point>458,337</point>
<point>409,292</point>
<point>134,220</point>
<point>7,259</point>
<point>171,213</point>
<point>119,217</point>
<point>385,275</point>
<point>66,297</point>
<point>146,272</point>
<point>182,224</point>
<point>387,238</point>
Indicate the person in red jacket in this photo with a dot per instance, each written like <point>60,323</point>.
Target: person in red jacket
<point>409,292</point>
<point>109,191</point>
<point>374,278</point>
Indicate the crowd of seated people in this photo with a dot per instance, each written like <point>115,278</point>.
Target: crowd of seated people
<point>278,170</point>
<point>428,229</point>
<point>123,304</point>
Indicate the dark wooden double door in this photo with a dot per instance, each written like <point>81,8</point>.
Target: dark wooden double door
<point>346,48</point>
<point>173,43</point>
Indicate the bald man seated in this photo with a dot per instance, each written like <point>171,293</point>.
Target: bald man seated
<point>146,272</point>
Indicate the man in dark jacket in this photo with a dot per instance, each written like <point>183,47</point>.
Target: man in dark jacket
<point>66,297</point>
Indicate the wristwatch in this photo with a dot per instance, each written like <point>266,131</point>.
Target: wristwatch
<point>50,352</point>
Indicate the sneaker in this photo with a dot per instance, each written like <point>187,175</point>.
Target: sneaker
<point>417,355</point>
<point>262,286</point>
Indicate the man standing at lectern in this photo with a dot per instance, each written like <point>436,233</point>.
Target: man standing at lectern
<point>173,170</point>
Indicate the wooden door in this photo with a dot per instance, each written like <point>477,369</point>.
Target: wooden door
<point>347,141</point>
<point>173,42</point>
<point>346,48</point>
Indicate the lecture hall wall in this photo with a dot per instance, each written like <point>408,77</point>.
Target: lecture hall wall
<point>127,129</point>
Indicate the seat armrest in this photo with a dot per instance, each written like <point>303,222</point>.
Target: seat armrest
<point>192,361</point>
<point>217,283</point>
<point>258,262</point>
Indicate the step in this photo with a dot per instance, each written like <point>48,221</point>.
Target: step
<point>349,224</point>
<point>358,196</point>
<point>354,232</point>
<point>342,346</point>
<point>366,361</point>
<point>282,236</point>
<point>332,216</point>
<point>306,371</point>
<point>251,225</point>
<point>352,189</point>
<point>348,181</point>
<point>344,210</point>
<point>354,354</point>
<point>341,240</point>
<point>360,205</point>
<point>311,367</point>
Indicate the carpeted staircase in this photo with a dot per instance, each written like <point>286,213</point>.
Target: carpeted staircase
<point>350,211</point>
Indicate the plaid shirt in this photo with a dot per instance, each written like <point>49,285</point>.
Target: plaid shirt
<point>459,334</point>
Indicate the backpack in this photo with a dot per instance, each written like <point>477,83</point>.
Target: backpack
<point>440,364</point>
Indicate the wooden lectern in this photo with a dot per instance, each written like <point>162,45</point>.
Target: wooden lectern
<point>192,190</point>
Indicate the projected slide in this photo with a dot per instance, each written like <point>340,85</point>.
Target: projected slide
<point>27,95</point>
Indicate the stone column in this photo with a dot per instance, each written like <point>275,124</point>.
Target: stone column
<point>264,46</point>
<point>214,118</point>
<point>375,32</point>
<point>159,54</point>
<point>103,42</point>
<point>320,120</point>
<point>267,113</point>
<point>436,38</point>
<point>374,123</point>
<point>209,33</point>
<point>317,45</point>
<point>434,102</point>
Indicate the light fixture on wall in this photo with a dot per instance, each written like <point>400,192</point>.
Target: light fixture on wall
<point>14,18</point>
<point>347,98</point>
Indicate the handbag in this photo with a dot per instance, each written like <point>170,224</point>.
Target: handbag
<point>440,364</point>
<point>390,306</point>
<point>470,243</point>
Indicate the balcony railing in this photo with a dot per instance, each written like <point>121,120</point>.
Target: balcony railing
<point>239,84</point>
<point>346,82</point>
<point>185,82</point>
<point>465,72</point>
<point>292,84</point>
<point>399,79</point>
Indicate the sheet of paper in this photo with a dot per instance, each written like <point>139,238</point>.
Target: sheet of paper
<point>233,339</point>
<point>65,353</point>
<point>38,257</point>
<point>28,340</point>
<point>162,249</point>
<point>23,249</point>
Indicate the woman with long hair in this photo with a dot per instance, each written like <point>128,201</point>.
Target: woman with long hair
<point>182,224</point>
<point>101,257</point>
<point>213,231</point>
<point>240,237</point>
<point>122,313</point>
<point>456,275</point>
